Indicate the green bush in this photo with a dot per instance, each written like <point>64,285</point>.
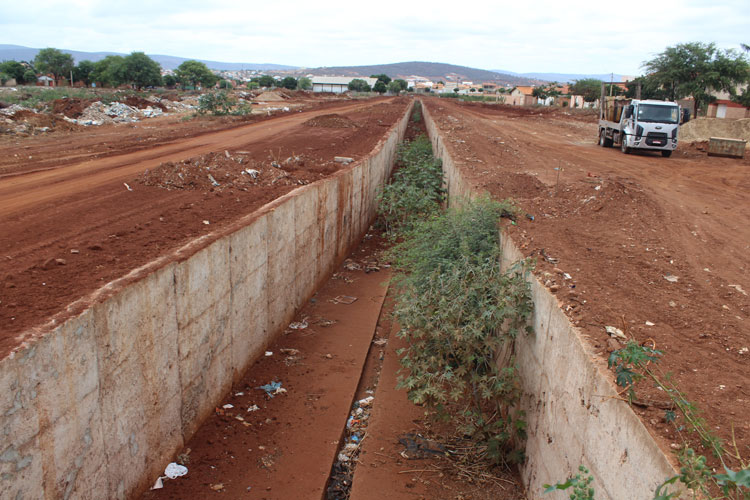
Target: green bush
<point>216,103</point>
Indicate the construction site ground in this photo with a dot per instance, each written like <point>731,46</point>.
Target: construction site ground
<point>85,206</point>
<point>653,246</point>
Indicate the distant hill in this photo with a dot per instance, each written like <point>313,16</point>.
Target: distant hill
<point>563,77</point>
<point>431,70</point>
<point>20,53</point>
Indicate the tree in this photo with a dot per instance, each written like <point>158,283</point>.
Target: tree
<point>382,78</point>
<point>54,61</point>
<point>109,71</point>
<point>589,88</point>
<point>82,72</point>
<point>13,69</point>
<point>266,81</point>
<point>225,84</point>
<point>543,92</point>
<point>289,83</point>
<point>359,85</point>
<point>253,85</point>
<point>170,81</point>
<point>380,87</point>
<point>698,69</point>
<point>304,83</point>
<point>142,71</point>
<point>194,73</point>
<point>29,77</point>
<point>402,83</point>
<point>394,88</point>
<point>744,97</point>
<point>650,89</point>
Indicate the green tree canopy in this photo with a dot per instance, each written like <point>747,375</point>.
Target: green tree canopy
<point>359,85</point>
<point>170,80</point>
<point>289,83</point>
<point>13,69</point>
<point>394,88</point>
<point>382,78</point>
<point>195,73</point>
<point>82,72</point>
<point>402,83</point>
<point>304,83</point>
<point>142,71</point>
<point>266,81</point>
<point>697,70</point>
<point>744,97</point>
<point>380,87</point>
<point>54,61</point>
<point>589,88</point>
<point>29,76</point>
<point>109,72</point>
<point>545,91</point>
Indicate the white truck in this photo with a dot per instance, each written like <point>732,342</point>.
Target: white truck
<point>639,124</point>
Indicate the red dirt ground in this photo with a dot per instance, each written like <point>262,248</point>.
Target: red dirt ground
<point>618,224</point>
<point>70,224</point>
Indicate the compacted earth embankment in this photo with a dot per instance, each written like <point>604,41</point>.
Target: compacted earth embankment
<point>103,394</point>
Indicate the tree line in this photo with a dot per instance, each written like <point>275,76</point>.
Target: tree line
<point>693,69</point>
<point>136,69</point>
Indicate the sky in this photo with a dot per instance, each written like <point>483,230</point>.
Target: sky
<point>571,36</point>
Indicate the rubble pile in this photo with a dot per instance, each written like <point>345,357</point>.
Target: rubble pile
<point>331,121</point>
<point>99,113</point>
<point>226,171</point>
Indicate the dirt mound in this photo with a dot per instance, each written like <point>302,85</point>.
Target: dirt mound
<point>331,121</point>
<point>141,103</point>
<point>272,96</point>
<point>72,108</point>
<point>702,129</point>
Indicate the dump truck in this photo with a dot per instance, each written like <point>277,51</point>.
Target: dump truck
<point>640,124</point>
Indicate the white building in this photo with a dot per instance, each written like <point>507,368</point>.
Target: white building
<point>337,84</point>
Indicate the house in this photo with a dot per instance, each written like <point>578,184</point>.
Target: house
<point>489,87</point>
<point>523,95</point>
<point>337,84</point>
<point>45,81</point>
<point>724,108</point>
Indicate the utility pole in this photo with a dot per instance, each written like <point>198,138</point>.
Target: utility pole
<point>611,81</point>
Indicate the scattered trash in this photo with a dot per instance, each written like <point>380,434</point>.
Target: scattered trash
<point>343,159</point>
<point>217,486</point>
<point>239,393</point>
<point>213,181</point>
<point>744,350</point>
<point>206,222</point>
<point>272,389</point>
<point>269,353</point>
<point>567,276</point>
<point>344,299</point>
<point>228,406</point>
<point>253,408</point>
<point>289,351</point>
<point>530,217</point>
<point>419,447</point>
<point>546,257</point>
<point>648,323</point>
<point>350,265</point>
<point>251,172</point>
<point>175,470</point>
<point>380,342</point>
<point>159,484</point>
<point>738,288</point>
<point>128,187</point>
<point>299,325</point>
<point>671,278</point>
<point>615,332</point>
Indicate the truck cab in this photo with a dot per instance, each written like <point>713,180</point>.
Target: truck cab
<point>639,124</point>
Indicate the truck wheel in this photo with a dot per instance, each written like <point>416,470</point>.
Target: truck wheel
<point>623,146</point>
<point>603,140</point>
<point>666,154</point>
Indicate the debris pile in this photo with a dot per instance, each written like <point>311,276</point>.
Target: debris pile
<point>99,113</point>
<point>342,471</point>
<point>331,121</point>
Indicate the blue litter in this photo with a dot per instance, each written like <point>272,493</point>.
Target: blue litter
<point>270,388</point>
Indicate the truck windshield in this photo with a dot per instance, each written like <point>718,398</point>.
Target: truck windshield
<point>658,114</point>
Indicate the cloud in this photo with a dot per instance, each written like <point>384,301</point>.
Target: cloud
<point>576,36</point>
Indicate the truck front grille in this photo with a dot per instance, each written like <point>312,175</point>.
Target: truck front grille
<point>656,139</point>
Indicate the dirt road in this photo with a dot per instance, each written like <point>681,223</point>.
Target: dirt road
<point>68,228</point>
<point>619,225</point>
